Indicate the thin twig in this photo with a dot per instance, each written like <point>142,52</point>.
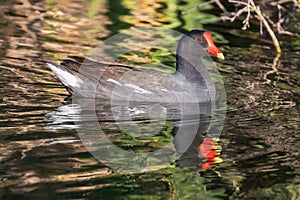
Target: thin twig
<point>238,2</point>
<point>247,19</point>
<point>267,26</point>
<point>249,7</point>
<point>220,5</point>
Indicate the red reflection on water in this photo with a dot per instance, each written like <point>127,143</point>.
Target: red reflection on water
<point>210,150</point>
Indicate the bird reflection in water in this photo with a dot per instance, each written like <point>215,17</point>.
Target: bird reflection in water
<point>142,127</point>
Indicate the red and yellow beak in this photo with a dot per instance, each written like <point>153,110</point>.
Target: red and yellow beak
<point>211,47</point>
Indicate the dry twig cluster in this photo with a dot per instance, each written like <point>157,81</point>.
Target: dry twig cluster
<point>285,9</point>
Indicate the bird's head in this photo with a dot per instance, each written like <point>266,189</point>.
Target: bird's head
<point>204,38</point>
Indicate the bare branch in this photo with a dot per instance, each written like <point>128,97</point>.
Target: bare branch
<point>250,8</point>
<point>238,2</point>
<point>267,26</point>
<point>232,16</point>
<point>220,5</point>
<point>246,20</point>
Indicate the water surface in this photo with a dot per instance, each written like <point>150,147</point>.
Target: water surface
<point>42,156</point>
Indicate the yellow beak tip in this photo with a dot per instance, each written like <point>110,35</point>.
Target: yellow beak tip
<point>221,56</point>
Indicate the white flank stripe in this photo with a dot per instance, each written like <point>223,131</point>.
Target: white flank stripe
<point>65,77</point>
<point>164,90</point>
<point>114,81</point>
<point>137,88</point>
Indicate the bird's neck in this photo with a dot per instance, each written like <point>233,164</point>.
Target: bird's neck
<point>188,70</point>
<point>189,63</point>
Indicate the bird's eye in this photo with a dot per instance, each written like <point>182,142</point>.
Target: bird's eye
<point>199,39</point>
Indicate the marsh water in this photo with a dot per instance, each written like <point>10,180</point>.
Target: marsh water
<point>42,154</point>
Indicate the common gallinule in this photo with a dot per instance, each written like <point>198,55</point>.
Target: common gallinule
<point>86,77</point>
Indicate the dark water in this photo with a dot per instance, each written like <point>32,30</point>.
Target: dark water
<point>42,154</point>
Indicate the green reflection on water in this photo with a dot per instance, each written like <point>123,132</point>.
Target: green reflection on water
<point>92,8</point>
<point>190,184</point>
<point>258,119</point>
